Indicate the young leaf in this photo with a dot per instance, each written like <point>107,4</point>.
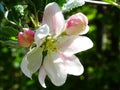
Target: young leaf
<point>71,4</point>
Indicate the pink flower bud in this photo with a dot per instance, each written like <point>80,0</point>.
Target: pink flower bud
<point>25,39</point>
<point>76,24</point>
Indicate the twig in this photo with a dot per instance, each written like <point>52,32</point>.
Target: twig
<point>97,2</point>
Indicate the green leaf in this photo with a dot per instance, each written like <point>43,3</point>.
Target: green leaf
<point>109,1</point>
<point>8,33</point>
<point>71,4</point>
<point>20,9</point>
<point>113,2</point>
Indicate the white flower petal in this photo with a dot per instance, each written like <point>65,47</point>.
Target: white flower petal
<point>85,31</point>
<point>40,34</point>
<point>34,58</point>
<point>55,70</point>
<point>73,65</point>
<point>53,17</point>
<point>24,68</point>
<point>42,76</point>
<point>70,45</point>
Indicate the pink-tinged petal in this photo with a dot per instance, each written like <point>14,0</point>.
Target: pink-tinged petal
<point>42,76</point>
<point>26,38</point>
<point>55,70</point>
<point>53,17</point>
<point>40,34</point>
<point>29,33</point>
<point>73,65</point>
<point>24,68</point>
<point>70,45</point>
<point>76,24</point>
<point>34,58</point>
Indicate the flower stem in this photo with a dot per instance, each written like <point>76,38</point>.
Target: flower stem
<point>97,2</point>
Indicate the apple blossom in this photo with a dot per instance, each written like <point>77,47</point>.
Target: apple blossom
<point>77,24</point>
<point>25,38</point>
<point>59,60</point>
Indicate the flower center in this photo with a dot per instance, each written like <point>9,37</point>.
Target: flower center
<point>50,45</point>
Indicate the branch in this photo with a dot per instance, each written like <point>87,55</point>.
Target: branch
<point>100,2</point>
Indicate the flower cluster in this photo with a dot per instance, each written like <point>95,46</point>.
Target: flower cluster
<point>56,43</point>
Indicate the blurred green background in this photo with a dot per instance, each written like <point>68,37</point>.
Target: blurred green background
<point>101,63</point>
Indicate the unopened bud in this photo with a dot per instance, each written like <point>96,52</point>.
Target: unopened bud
<point>76,24</point>
<point>25,39</point>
